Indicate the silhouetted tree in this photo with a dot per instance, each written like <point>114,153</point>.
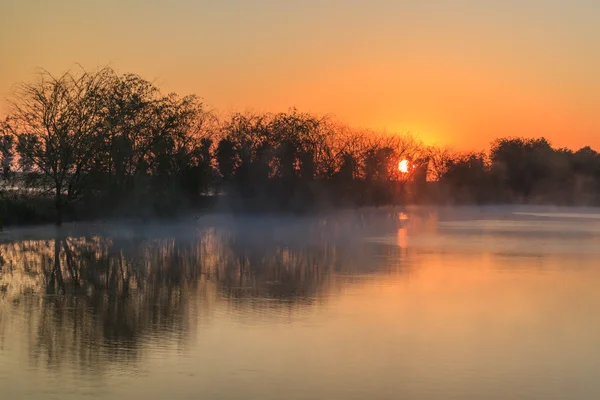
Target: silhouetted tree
<point>124,148</point>
<point>586,161</point>
<point>151,141</point>
<point>467,178</point>
<point>226,159</point>
<point>438,160</point>
<point>6,152</point>
<point>55,122</point>
<point>524,162</point>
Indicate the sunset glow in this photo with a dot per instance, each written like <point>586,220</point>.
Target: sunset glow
<point>451,73</point>
<point>403,166</point>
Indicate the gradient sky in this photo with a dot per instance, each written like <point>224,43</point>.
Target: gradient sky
<point>458,72</point>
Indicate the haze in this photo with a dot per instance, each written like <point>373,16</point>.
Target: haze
<point>460,73</point>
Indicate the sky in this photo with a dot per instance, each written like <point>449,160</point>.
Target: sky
<point>458,73</point>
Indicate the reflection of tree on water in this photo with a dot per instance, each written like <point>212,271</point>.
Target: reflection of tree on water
<point>296,263</point>
<point>93,297</point>
<point>266,271</point>
<point>92,300</point>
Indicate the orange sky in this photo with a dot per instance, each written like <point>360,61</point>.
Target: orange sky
<point>458,73</point>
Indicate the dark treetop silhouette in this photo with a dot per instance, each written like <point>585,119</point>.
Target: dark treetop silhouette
<point>88,145</point>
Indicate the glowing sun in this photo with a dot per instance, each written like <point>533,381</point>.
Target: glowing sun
<point>403,166</point>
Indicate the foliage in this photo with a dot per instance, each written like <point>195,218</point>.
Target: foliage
<point>98,144</point>
<point>104,138</point>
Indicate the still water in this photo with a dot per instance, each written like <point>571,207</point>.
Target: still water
<point>470,303</point>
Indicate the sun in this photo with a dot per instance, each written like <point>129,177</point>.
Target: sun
<point>403,166</point>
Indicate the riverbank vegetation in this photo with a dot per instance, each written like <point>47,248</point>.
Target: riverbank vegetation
<point>89,145</point>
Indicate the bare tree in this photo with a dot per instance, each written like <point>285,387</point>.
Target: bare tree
<point>54,122</point>
<point>6,151</point>
<point>439,161</point>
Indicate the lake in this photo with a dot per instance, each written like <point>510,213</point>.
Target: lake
<point>419,303</point>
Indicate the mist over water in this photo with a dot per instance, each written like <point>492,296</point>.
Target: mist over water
<point>421,303</point>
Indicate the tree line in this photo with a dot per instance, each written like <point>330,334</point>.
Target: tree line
<point>86,145</point>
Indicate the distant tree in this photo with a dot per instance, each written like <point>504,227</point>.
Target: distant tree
<point>226,158</point>
<point>6,160</point>
<point>244,153</point>
<point>348,168</point>
<point>378,162</point>
<point>439,160</point>
<point>466,170</point>
<point>467,178</point>
<point>586,161</point>
<point>524,163</point>
<point>55,123</point>
<point>150,140</point>
<point>205,166</point>
<point>287,153</point>
<point>6,151</point>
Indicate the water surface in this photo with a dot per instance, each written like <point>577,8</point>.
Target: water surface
<point>467,303</point>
